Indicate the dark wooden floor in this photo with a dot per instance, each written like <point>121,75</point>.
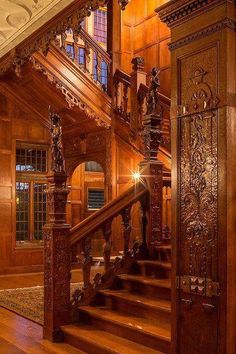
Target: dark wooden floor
<point>19,335</point>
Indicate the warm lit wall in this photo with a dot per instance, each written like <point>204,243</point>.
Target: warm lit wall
<point>80,181</point>
<point>144,35</point>
<point>15,124</point>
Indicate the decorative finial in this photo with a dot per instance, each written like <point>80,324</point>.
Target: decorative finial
<point>58,164</point>
<point>152,97</point>
<point>123,4</point>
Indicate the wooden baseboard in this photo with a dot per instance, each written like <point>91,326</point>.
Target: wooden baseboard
<point>21,269</point>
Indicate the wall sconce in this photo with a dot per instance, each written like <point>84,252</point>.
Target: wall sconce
<point>123,4</point>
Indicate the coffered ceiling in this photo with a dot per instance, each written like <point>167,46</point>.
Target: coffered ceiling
<point>20,18</point>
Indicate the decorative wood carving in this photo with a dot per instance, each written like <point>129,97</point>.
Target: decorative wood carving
<point>56,259</point>
<point>198,169</point>
<point>58,163</point>
<point>181,10</point>
<point>70,97</point>
<point>226,23</point>
<point>151,168</point>
<point>41,39</point>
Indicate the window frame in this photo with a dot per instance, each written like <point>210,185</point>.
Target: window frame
<point>32,178</point>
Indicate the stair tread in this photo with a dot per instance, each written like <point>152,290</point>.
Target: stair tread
<point>103,339</point>
<point>155,263</point>
<point>166,247</point>
<point>130,321</point>
<point>139,299</point>
<point>164,283</point>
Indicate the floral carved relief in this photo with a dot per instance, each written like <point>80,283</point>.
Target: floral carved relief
<point>198,179</point>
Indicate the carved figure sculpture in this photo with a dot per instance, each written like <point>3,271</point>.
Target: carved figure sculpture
<point>152,98</point>
<point>56,143</point>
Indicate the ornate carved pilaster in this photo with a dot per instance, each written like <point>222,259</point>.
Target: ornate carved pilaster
<point>203,150</point>
<point>56,247</point>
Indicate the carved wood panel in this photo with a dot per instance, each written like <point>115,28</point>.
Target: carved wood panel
<point>198,241</point>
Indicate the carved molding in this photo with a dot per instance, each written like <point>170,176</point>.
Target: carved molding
<point>178,11</point>
<point>218,26</point>
<point>70,97</point>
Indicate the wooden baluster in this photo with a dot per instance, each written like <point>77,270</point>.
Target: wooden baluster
<point>99,67</point>
<point>126,221</point>
<point>107,231</point>
<point>87,262</point>
<point>125,99</point>
<point>117,87</point>
<point>87,57</point>
<point>63,39</point>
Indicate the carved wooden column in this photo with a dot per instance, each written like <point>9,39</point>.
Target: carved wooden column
<point>56,247</point>
<point>151,168</point>
<point>203,174</point>
<point>138,76</point>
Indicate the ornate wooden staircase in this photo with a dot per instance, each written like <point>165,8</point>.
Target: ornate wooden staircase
<point>133,316</point>
<point>126,307</point>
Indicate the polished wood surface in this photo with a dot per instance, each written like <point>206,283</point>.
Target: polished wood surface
<point>134,314</point>
<point>19,335</point>
<point>203,213</point>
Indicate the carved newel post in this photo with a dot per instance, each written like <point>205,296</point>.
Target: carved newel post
<point>56,245</point>
<point>151,168</point>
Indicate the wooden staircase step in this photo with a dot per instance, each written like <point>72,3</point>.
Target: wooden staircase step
<point>163,283</point>
<point>139,330</point>
<point>154,304</point>
<point>146,285</point>
<point>154,268</point>
<point>96,341</point>
<point>136,304</point>
<point>155,264</point>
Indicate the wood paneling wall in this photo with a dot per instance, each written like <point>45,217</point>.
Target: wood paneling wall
<point>15,125</point>
<point>143,34</point>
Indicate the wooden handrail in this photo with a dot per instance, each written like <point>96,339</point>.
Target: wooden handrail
<point>123,77</point>
<point>96,47</point>
<point>109,211</point>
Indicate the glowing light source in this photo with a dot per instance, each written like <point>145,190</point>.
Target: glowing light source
<point>136,176</point>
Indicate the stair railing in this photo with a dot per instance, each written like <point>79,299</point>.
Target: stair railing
<point>60,242</point>
<point>88,55</point>
<point>81,239</point>
<point>131,90</point>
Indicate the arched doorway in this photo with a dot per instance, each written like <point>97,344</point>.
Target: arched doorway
<point>87,191</point>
